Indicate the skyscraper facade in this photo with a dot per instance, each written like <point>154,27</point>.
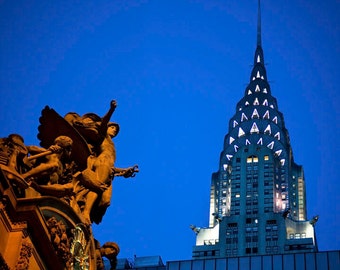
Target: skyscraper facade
<point>258,196</point>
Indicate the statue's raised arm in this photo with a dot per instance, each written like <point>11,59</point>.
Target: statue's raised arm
<point>107,117</point>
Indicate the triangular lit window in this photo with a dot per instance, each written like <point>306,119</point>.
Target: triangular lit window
<point>275,119</point>
<point>247,142</point>
<point>258,74</point>
<point>262,77</point>
<point>254,128</point>
<point>229,156</point>
<point>266,115</point>
<point>249,92</point>
<point>256,102</point>
<point>257,88</point>
<point>247,103</point>
<point>278,152</point>
<point>253,78</point>
<point>231,139</point>
<point>265,102</point>
<point>271,145</point>
<point>260,141</point>
<point>277,135</point>
<point>255,114</point>
<point>240,132</point>
<point>271,106</point>
<point>235,123</point>
<point>265,90</point>
<point>258,59</point>
<point>268,130</point>
<point>235,148</point>
<point>243,117</point>
<point>282,161</point>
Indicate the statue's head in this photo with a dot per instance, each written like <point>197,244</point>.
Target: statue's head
<point>16,139</point>
<point>110,250</point>
<point>112,129</point>
<point>64,142</point>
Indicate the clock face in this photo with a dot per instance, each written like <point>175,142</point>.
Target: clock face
<point>79,248</point>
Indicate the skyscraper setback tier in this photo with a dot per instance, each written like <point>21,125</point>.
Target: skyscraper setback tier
<point>258,197</point>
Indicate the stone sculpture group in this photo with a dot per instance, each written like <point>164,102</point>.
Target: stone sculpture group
<point>75,163</point>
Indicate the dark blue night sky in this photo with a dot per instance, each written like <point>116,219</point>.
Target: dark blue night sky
<point>177,69</point>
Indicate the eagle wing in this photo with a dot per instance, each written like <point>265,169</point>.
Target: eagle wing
<point>53,125</point>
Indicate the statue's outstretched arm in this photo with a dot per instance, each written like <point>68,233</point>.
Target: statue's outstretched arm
<point>56,190</point>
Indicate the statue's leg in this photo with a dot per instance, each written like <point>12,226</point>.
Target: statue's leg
<point>90,199</point>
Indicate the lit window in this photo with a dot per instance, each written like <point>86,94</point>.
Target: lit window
<point>265,90</point>
<point>243,117</point>
<point>282,161</point>
<point>255,114</point>
<point>277,135</point>
<point>256,102</point>
<point>240,132</point>
<point>249,92</point>
<point>249,160</point>
<point>255,159</point>
<point>254,128</point>
<point>260,141</point>
<point>275,119</point>
<point>258,59</point>
<point>237,195</point>
<point>258,74</point>
<point>266,115</point>
<point>257,88</point>
<point>268,130</point>
<point>266,157</point>
<point>278,152</point>
<point>247,142</point>
<point>271,145</point>
<point>231,139</point>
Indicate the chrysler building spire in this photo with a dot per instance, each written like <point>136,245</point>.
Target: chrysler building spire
<point>259,42</point>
